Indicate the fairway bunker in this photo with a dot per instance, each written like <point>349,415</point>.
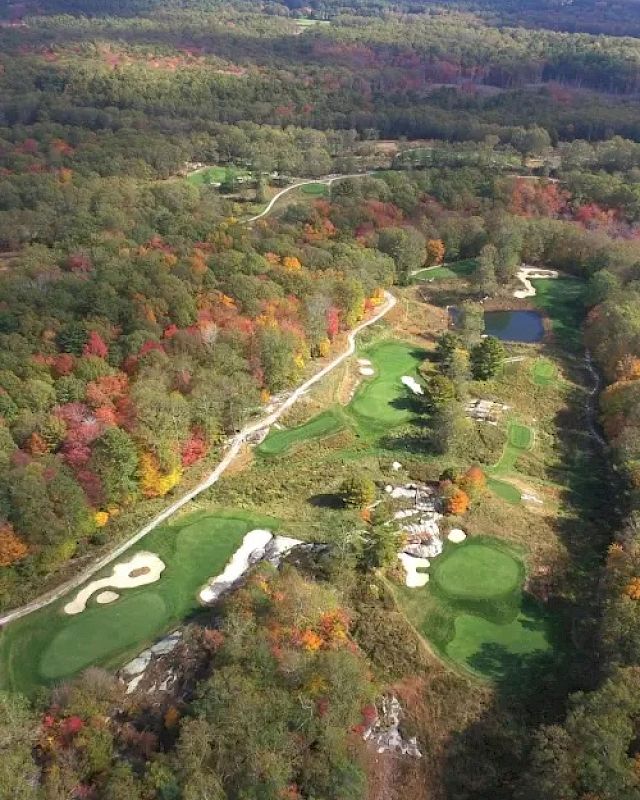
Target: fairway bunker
<point>413,578</point>
<point>141,569</point>
<point>412,383</point>
<point>256,545</point>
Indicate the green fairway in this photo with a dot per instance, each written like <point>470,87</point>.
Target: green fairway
<point>563,300</point>
<point>383,401</point>
<point>315,189</point>
<point>457,269</point>
<point>500,651</point>
<point>519,439</point>
<point>210,175</point>
<point>543,372</point>
<point>49,646</point>
<point>504,490</point>
<point>477,572</point>
<point>279,441</point>
<point>475,613</point>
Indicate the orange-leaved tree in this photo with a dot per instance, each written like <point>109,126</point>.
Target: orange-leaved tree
<point>12,548</point>
<point>473,481</point>
<point>457,502</point>
<point>435,252</point>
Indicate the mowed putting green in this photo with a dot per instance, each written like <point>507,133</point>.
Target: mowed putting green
<point>380,403</point>
<point>519,439</point>
<point>383,401</point>
<point>50,646</point>
<point>543,372</point>
<point>476,614</point>
<point>477,571</point>
<point>279,441</point>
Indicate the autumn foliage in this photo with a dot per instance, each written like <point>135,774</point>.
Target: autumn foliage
<point>153,481</point>
<point>632,589</point>
<point>457,502</point>
<point>435,252</point>
<point>12,548</point>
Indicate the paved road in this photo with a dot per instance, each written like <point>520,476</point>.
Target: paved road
<point>233,449</point>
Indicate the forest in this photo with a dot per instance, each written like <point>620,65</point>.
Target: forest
<point>143,322</point>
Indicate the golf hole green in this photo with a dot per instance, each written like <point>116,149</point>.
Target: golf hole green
<point>477,572</point>
<point>543,372</point>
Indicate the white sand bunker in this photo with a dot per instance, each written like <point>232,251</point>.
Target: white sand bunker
<point>525,274</point>
<point>364,362</point>
<point>367,371</point>
<point>107,597</point>
<point>411,564</point>
<point>412,384</point>
<point>141,569</point>
<point>456,535</point>
<point>256,545</point>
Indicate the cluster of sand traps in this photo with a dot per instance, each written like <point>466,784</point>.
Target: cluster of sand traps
<point>365,367</point>
<point>525,274</point>
<point>412,384</point>
<point>139,570</point>
<point>411,564</point>
<point>456,535</point>
<point>256,545</point>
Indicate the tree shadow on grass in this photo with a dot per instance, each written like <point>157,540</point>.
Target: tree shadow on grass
<point>327,500</point>
<point>406,403</point>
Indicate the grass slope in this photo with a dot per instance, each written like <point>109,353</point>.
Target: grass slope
<point>49,646</point>
<point>563,300</point>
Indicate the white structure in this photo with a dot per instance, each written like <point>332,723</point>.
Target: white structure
<point>485,410</point>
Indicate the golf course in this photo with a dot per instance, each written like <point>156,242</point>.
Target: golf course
<point>380,402</point>
<point>50,646</point>
<point>475,612</point>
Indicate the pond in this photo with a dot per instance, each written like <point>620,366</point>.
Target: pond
<point>514,326</point>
